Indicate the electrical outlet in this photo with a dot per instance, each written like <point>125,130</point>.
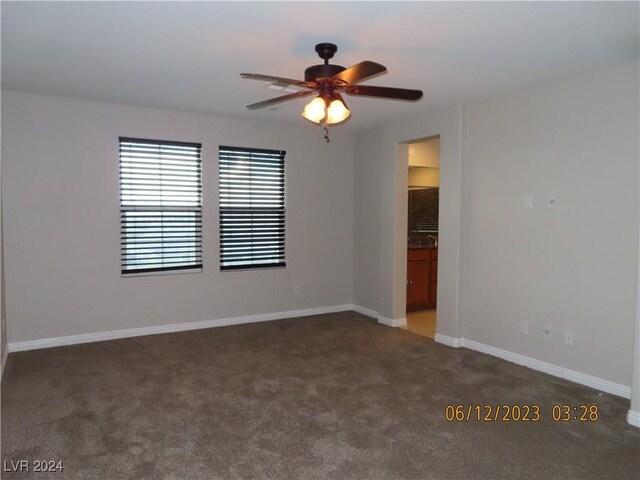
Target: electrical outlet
<point>528,201</point>
<point>524,327</point>
<point>568,338</point>
<point>296,290</point>
<point>547,332</point>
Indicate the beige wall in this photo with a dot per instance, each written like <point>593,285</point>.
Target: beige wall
<point>3,314</point>
<point>425,153</point>
<point>60,179</point>
<point>572,268</point>
<point>424,177</point>
<point>635,383</point>
<point>3,317</point>
<point>381,233</point>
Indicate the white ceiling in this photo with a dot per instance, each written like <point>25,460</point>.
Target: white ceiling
<point>187,55</point>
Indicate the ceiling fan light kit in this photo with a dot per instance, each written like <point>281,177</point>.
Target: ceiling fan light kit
<point>332,110</point>
<point>327,81</point>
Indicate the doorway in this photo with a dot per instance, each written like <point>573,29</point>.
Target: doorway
<point>423,192</point>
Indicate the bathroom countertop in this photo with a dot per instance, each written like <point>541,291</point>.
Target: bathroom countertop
<point>421,247</point>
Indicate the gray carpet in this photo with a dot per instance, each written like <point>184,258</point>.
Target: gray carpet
<point>329,396</point>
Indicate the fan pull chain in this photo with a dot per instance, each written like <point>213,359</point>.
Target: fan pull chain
<point>326,132</point>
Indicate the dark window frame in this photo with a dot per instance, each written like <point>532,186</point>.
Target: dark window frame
<point>160,206</point>
<point>252,208</point>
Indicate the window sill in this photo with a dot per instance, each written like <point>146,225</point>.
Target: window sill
<point>159,274</point>
<point>252,269</point>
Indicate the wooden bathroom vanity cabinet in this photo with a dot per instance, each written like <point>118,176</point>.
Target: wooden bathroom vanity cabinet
<point>422,278</point>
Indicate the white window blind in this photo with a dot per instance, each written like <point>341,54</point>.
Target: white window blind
<point>160,205</point>
<point>252,208</point>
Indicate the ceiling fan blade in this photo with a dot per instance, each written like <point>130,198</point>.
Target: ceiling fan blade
<point>384,92</point>
<point>284,98</point>
<point>269,78</point>
<point>360,72</point>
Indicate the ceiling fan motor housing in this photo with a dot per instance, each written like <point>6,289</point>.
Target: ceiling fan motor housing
<point>321,71</point>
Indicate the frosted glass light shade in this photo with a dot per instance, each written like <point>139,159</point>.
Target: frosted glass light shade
<point>314,111</point>
<point>337,112</point>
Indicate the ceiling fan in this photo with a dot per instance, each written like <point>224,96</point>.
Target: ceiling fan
<point>327,82</point>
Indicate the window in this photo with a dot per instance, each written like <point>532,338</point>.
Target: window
<point>423,210</point>
<point>252,208</point>
<point>160,205</point>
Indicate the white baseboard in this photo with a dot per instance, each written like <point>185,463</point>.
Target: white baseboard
<point>535,364</point>
<point>449,341</point>
<point>389,322</point>
<point>551,369</point>
<point>175,327</point>
<point>633,418</point>
<point>365,311</point>
<point>392,322</point>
